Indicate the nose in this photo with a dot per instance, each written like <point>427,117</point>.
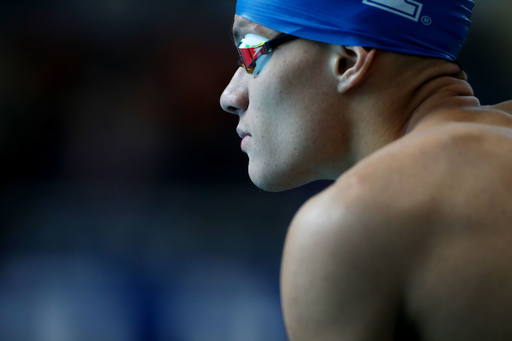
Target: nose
<point>235,97</point>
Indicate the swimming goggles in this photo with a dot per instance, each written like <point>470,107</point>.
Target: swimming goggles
<point>255,51</point>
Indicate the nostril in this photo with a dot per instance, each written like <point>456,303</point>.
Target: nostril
<point>232,109</point>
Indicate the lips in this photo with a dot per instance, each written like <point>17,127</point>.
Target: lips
<point>242,133</point>
<point>244,136</point>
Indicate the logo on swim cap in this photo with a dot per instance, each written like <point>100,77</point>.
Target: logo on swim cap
<point>406,8</point>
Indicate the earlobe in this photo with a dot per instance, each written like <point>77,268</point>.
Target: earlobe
<point>352,65</point>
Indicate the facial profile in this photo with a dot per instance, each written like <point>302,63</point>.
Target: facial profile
<point>288,127</point>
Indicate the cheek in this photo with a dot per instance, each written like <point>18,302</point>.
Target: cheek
<point>303,84</point>
<point>293,101</point>
<point>289,88</point>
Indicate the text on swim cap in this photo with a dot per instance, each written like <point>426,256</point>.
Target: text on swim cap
<point>406,8</point>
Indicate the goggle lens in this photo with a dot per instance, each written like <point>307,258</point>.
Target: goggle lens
<point>250,52</point>
<point>255,51</point>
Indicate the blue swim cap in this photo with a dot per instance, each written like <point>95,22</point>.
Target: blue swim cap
<point>435,28</point>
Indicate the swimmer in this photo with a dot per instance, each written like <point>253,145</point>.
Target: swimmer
<point>413,240</point>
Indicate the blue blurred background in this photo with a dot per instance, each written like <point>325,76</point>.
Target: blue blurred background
<point>126,212</point>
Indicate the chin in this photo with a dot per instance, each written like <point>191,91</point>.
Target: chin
<point>277,181</point>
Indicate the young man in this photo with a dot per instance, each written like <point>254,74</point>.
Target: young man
<point>414,239</point>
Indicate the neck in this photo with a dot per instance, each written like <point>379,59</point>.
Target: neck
<point>399,99</point>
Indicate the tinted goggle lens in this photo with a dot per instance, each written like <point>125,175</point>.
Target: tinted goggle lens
<point>249,56</point>
<point>255,51</point>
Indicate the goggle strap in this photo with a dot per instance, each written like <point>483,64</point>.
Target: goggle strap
<point>280,39</point>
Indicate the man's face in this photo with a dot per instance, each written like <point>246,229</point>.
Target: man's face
<point>289,114</point>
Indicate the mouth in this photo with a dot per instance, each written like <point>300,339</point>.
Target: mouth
<point>245,138</point>
<point>242,133</point>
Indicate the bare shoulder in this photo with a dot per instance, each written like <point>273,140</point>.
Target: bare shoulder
<point>341,274</point>
<point>347,255</point>
<point>421,229</point>
<point>440,164</point>
<point>504,106</point>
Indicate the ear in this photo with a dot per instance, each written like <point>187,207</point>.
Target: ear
<point>351,65</point>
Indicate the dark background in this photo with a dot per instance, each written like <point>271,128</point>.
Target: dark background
<point>126,211</point>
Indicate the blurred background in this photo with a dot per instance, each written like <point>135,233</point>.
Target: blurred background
<point>126,212</point>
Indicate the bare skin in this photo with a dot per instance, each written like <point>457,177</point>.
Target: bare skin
<point>419,231</point>
<point>413,242</point>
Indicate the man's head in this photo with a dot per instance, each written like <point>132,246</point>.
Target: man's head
<point>303,113</point>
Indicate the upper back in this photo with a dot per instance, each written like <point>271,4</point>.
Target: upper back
<point>419,231</point>
<point>455,180</point>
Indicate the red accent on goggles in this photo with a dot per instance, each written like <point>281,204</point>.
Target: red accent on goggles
<point>249,55</point>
